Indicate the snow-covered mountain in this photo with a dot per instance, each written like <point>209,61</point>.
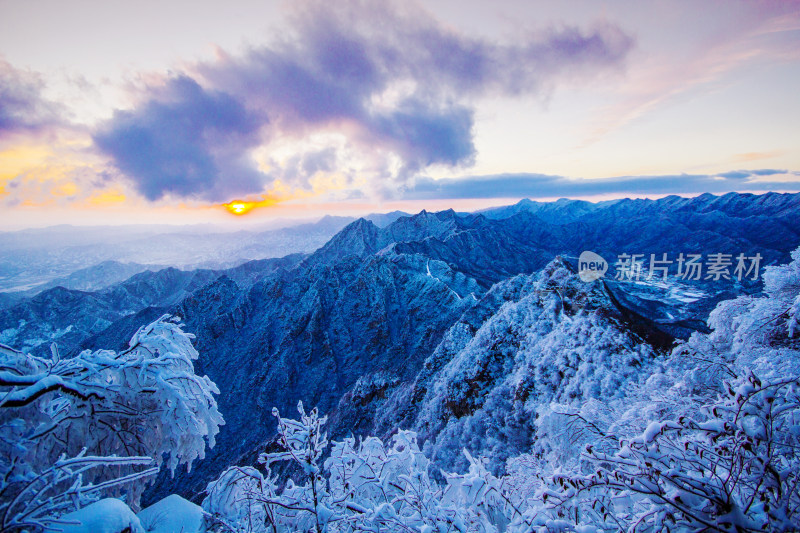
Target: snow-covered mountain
<point>93,278</point>
<point>441,322</point>
<point>92,258</point>
<point>69,316</point>
<point>34,260</point>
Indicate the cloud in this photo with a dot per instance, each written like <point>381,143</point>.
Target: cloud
<point>768,172</point>
<point>398,84</point>
<point>735,174</point>
<point>300,167</point>
<point>424,135</point>
<point>184,141</point>
<point>22,107</point>
<point>754,156</point>
<point>751,32</point>
<point>743,174</point>
<point>547,186</point>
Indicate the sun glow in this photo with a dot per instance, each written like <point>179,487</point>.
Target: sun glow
<point>279,193</point>
<point>239,207</point>
<point>242,207</point>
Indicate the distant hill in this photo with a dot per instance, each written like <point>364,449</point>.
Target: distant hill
<point>91,258</point>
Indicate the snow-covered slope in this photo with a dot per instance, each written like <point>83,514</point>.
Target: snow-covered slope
<point>437,321</point>
<point>71,317</point>
<point>93,278</point>
<point>556,339</point>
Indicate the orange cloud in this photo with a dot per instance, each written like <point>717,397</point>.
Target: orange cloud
<point>105,198</point>
<point>65,189</point>
<point>754,156</point>
<point>242,207</point>
<point>43,173</point>
<point>280,193</point>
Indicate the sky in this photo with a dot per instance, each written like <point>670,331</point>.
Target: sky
<point>175,112</point>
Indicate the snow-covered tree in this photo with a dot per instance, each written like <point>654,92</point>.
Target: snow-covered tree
<point>735,467</point>
<point>719,440</point>
<point>36,501</point>
<point>240,501</point>
<point>303,442</point>
<point>364,485</point>
<point>757,333</point>
<point>131,407</point>
<point>375,486</point>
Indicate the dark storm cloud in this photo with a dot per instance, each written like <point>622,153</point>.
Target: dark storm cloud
<point>546,186</point>
<point>391,78</point>
<point>185,141</point>
<point>22,108</point>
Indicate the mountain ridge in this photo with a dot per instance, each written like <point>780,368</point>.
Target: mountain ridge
<point>357,322</point>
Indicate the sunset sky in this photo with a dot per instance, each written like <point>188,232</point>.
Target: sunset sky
<point>121,112</point>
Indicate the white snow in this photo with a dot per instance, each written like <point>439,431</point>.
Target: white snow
<point>104,516</point>
<point>171,515</point>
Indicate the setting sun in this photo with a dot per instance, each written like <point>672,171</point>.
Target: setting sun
<point>242,207</point>
<point>238,207</point>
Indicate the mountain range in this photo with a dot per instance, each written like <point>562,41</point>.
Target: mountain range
<point>94,257</point>
<point>448,323</point>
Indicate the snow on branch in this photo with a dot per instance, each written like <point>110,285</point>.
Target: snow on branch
<point>137,405</point>
<point>735,467</point>
<point>42,498</point>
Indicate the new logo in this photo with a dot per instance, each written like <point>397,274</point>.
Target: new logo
<point>591,266</point>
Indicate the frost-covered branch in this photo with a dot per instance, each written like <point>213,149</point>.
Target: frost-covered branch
<point>735,470</point>
<point>139,404</point>
<point>39,499</point>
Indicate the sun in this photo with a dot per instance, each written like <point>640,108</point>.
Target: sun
<point>242,207</point>
<point>239,207</point>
